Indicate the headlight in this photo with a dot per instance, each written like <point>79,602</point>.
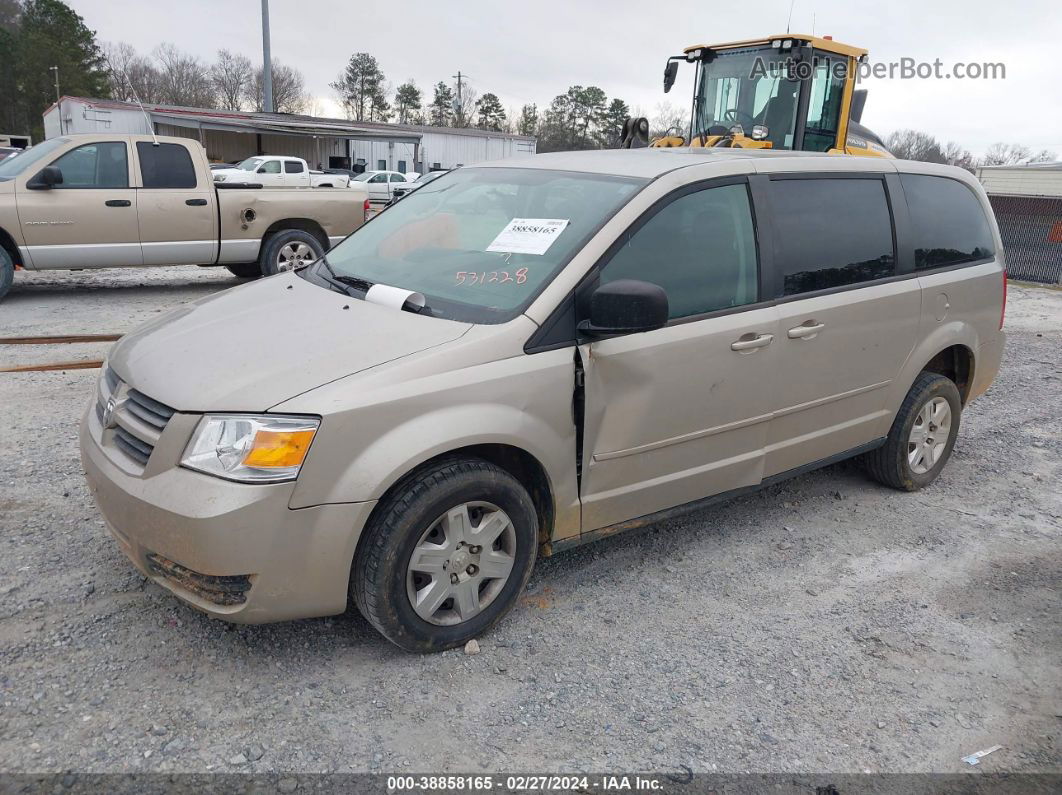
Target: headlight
<point>250,448</point>
<point>219,178</point>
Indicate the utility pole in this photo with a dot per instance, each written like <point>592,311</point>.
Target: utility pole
<point>267,62</point>
<point>58,98</point>
<point>458,104</point>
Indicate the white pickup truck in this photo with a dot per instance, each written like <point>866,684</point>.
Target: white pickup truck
<point>274,171</point>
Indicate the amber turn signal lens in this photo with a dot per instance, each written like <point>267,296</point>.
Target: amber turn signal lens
<point>278,448</point>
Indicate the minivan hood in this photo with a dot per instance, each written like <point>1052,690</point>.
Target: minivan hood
<point>251,347</point>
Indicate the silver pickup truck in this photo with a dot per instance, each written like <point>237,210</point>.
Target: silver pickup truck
<point>103,201</point>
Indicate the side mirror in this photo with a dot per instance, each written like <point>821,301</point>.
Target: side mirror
<point>859,101</point>
<point>670,73</point>
<point>46,179</point>
<point>626,306</point>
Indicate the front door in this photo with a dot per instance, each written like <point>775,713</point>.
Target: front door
<point>681,413</point>
<point>89,220</point>
<point>178,217</point>
<point>846,326</point>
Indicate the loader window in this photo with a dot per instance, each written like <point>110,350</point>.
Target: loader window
<point>824,107</point>
<point>747,87</point>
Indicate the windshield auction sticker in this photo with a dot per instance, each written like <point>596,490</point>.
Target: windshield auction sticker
<point>528,235</point>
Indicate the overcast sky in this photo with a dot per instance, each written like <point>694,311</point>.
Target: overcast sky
<point>529,52</point>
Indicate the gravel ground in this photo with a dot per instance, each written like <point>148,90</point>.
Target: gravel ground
<point>826,624</point>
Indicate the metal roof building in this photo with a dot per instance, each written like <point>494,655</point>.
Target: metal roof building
<point>230,136</point>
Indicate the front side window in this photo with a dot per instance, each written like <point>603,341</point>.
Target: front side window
<point>700,248</point>
<point>270,167</point>
<point>947,220</point>
<point>165,165</point>
<point>830,232</point>
<point>378,178</point>
<point>480,243</point>
<point>99,165</point>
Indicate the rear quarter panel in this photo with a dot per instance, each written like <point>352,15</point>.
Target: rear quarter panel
<point>337,211</point>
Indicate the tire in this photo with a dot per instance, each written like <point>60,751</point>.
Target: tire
<point>7,271</point>
<point>418,515</point>
<point>245,270</point>
<point>891,464</point>
<point>293,241</point>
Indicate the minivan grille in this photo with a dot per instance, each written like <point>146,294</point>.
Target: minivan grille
<point>138,420</point>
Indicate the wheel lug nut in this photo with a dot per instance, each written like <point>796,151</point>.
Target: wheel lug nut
<point>475,550</point>
<point>454,579</point>
<point>472,569</point>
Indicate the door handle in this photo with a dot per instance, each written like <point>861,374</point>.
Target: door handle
<point>195,202</point>
<point>752,343</point>
<point>809,329</point>
<point>118,203</point>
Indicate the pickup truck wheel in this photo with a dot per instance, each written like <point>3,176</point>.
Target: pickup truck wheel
<point>7,272</point>
<point>245,270</point>
<point>288,250</point>
<point>446,555</point>
<point>922,435</point>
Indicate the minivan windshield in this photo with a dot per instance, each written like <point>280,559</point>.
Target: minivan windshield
<point>480,243</point>
<point>16,164</point>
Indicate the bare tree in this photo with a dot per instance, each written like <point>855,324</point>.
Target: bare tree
<point>289,89</point>
<point>131,75</point>
<point>1001,154</point>
<point>231,76</point>
<point>915,145</point>
<point>668,118</point>
<point>185,78</point>
<point>465,105</point>
<point>956,155</point>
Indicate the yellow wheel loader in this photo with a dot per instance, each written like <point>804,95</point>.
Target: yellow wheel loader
<point>792,92</point>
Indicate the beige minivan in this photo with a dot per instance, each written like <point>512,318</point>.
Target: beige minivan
<point>529,354</point>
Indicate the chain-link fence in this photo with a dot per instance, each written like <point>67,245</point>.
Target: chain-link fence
<point>1031,228</point>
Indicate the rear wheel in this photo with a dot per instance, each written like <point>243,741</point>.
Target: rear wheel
<point>289,250</point>
<point>922,435</point>
<point>245,270</point>
<point>7,271</point>
<point>446,556</point>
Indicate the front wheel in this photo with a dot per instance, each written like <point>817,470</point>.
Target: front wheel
<point>922,435</point>
<point>446,556</point>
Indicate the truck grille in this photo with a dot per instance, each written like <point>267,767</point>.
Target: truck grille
<point>136,419</point>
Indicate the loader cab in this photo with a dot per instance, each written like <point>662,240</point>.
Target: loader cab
<point>788,92</point>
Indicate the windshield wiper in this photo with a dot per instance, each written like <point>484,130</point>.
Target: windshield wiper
<point>342,282</point>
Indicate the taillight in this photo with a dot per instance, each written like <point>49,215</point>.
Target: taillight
<point>365,210</point>
<point>1003,311</point>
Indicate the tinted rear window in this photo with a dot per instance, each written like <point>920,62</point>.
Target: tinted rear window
<point>947,222</point>
<point>831,232</point>
<point>165,165</point>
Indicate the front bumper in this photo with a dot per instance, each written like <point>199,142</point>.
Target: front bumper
<point>199,536</point>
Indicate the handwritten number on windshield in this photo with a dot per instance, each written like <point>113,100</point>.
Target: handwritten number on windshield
<point>491,277</point>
